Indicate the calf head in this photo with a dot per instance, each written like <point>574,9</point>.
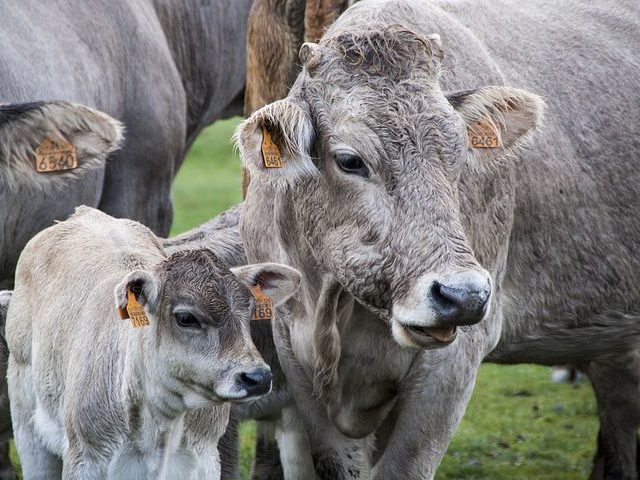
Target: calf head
<point>373,152</point>
<point>199,343</point>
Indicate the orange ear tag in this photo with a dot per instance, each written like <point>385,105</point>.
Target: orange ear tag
<point>270,152</point>
<point>264,304</point>
<point>55,157</point>
<point>482,135</point>
<point>134,311</point>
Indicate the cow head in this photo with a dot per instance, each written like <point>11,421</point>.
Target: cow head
<point>199,313</point>
<point>373,153</point>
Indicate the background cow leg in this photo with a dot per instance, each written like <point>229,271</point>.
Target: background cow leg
<point>228,448</point>
<point>617,389</point>
<point>431,403</point>
<point>266,464</point>
<point>6,468</point>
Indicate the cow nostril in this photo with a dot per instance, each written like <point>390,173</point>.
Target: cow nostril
<point>444,298</point>
<point>462,303</point>
<point>255,382</point>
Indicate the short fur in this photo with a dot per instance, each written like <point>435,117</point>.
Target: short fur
<point>148,402</point>
<point>548,220</point>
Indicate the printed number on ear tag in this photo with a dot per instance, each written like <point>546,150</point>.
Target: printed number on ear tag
<point>134,311</point>
<point>55,156</point>
<point>264,305</point>
<point>270,152</point>
<point>483,135</point>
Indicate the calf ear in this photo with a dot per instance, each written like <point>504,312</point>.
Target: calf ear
<point>23,127</point>
<point>143,285</point>
<point>275,143</point>
<point>498,117</point>
<point>278,281</point>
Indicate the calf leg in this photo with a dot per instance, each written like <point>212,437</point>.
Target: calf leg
<point>617,388</point>
<point>37,461</point>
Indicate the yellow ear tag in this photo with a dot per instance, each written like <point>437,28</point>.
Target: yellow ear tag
<point>270,153</point>
<point>134,311</point>
<point>264,304</point>
<point>55,157</point>
<point>482,135</point>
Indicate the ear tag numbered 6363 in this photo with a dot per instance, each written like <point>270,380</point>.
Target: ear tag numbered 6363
<point>264,305</point>
<point>134,311</point>
<point>270,152</point>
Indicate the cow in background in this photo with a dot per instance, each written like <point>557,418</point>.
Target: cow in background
<point>164,68</point>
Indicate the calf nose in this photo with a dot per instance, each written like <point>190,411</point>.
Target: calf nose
<point>461,299</point>
<point>255,382</point>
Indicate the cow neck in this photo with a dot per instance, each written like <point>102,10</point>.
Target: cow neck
<point>195,34</point>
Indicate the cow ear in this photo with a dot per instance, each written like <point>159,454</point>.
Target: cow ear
<point>278,281</point>
<point>26,127</point>
<point>144,287</point>
<point>498,117</point>
<point>275,143</point>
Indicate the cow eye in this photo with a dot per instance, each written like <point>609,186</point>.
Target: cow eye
<point>352,164</point>
<point>187,320</point>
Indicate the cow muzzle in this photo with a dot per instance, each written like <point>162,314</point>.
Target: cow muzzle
<point>429,316</point>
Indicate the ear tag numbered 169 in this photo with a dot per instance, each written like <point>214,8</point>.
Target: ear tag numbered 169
<point>264,304</point>
<point>134,311</point>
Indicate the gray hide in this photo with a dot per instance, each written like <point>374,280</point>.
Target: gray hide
<point>222,235</point>
<point>142,403</point>
<point>31,201</point>
<point>164,68</point>
<point>6,469</point>
<point>395,222</point>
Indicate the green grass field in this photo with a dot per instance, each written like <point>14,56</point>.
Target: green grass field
<point>518,425</point>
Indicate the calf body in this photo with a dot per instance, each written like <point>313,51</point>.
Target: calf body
<point>94,397</point>
<point>405,231</point>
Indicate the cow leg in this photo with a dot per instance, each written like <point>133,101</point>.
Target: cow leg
<point>6,467</point>
<point>431,403</point>
<point>36,459</point>
<point>266,465</point>
<point>228,447</point>
<point>617,388</point>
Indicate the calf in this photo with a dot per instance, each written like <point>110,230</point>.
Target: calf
<point>94,396</point>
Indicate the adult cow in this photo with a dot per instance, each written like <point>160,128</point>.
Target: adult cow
<point>405,232</point>
<point>164,68</point>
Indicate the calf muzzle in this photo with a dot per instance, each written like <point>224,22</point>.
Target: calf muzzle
<point>255,382</point>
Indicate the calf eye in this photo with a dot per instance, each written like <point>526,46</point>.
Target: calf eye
<point>187,320</point>
<point>352,164</point>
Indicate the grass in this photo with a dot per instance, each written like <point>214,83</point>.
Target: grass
<point>518,424</point>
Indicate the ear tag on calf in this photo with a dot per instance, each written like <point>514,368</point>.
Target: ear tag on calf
<point>270,152</point>
<point>264,305</point>
<point>482,135</point>
<point>55,156</point>
<point>134,311</point>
